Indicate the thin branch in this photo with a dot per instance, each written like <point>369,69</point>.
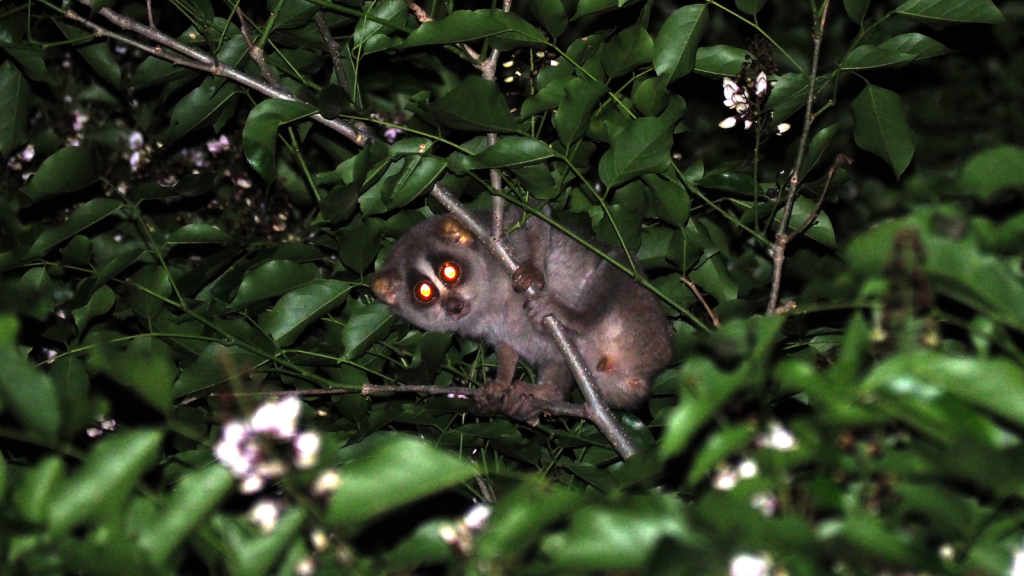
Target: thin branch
<point>255,52</point>
<point>778,249</point>
<point>696,292</point>
<point>598,411</point>
<point>334,50</point>
<point>197,59</point>
<point>459,392</point>
<point>840,161</point>
<point>149,12</point>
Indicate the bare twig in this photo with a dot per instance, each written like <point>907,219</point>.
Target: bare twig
<point>421,14</point>
<point>778,249</point>
<point>199,60</point>
<point>459,392</point>
<point>255,52</point>
<point>597,410</point>
<point>334,49</point>
<point>839,161</point>
<point>149,12</point>
<point>696,292</point>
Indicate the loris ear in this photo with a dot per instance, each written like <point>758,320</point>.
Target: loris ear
<point>451,230</point>
<point>385,286</point>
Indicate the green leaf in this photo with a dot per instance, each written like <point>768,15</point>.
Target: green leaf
<point>360,243</point>
<point>145,368</point>
<point>650,96</point>
<point>675,49</point>
<point>365,327</point>
<point>37,283</point>
<point>519,518</point>
<point>573,118</point>
<point>993,170</point>
<point>259,137</point>
<point>417,178</point>
<point>864,57</point>
<point>673,202</point>
<point>31,60</point>
<point>790,95</point>
<point>15,99</point>
<point>588,7</point>
<point>880,127</point>
<point>627,50</point>
<point>148,286</point>
<point>713,276</point>
<point>856,9</point>
<point>551,14</point>
<point>722,60</point>
<point>106,479</point>
<point>506,30</point>
<point>996,385</point>
<point>86,215</point>
<point>919,45</point>
<point>199,106</point>
<point>198,233</point>
<point>299,308</point>
<point>751,6</point>
<point>509,152</point>
<point>96,52</point>
<point>67,169</point>
<point>194,498</point>
<point>391,474</point>
<point>272,279</point>
<point>817,148</point>
<point>32,497</point>
<point>941,13</point>
<point>643,147</point>
<point>24,390</point>
<point>475,104</point>
<point>100,303</point>
<point>216,364</point>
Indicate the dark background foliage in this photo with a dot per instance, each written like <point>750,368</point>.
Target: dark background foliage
<point>173,240</point>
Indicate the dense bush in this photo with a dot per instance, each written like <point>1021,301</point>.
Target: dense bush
<point>197,194</point>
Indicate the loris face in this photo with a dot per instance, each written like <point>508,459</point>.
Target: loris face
<point>435,277</point>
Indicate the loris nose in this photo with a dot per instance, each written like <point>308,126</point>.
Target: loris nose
<point>453,306</point>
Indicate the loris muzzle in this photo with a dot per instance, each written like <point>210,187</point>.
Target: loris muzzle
<point>439,277</point>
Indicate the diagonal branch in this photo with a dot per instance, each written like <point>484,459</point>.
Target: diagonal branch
<point>185,55</point>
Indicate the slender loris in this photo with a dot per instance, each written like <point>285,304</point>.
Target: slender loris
<point>439,277</point>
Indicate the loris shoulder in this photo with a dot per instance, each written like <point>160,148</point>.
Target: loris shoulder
<point>439,277</point>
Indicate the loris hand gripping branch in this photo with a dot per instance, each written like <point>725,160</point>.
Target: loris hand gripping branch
<point>440,278</point>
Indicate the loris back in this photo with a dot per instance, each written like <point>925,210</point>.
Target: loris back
<point>439,277</point>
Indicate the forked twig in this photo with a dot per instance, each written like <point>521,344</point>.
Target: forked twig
<point>778,249</point>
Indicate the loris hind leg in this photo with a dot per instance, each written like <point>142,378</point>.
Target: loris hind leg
<point>492,399</point>
<point>525,401</point>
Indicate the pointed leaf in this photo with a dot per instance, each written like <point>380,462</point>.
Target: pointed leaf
<point>84,216</point>
<point>199,106</point>
<point>475,104</point>
<point>573,117</point>
<point>675,49</point>
<point>643,147</point>
<point>940,13</point>
<point>198,233</point>
<point>67,169</point>
<point>272,279</point>
<point>993,170</point>
<point>301,307</point>
<point>506,29</point>
<point>919,45</point>
<point>393,473</point>
<point>259,137</point>
<point>864,57</point>
<point>24,390</point>
<point>365,327</point>
<point>880,127</point>
<point>15,97</point>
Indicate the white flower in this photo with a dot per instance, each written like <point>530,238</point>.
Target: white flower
<point>747,124</point>
<point>277,419</point>
<point>326,483</point>
<point>749,565</point>
<point>728,122</point>
<point>725,479</point>
<point>307,446</point>
<point>761,84</point>
<point>747,468</point>
<point>477,516</point>
<point>777,438</point>
<point>729,87</point>
<point>782,128</point>
<point>265,514</point>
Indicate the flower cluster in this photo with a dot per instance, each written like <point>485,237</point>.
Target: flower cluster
<point>746,96</point>
<point>246,446</point>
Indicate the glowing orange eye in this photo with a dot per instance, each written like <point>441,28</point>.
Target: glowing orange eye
<point>424,292</point>
<point>450,272</point>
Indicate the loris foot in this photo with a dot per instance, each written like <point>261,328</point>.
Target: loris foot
<point>526,276</point>
<point>521,403</point>
<point>539,308</point>
<point>492,399</point>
